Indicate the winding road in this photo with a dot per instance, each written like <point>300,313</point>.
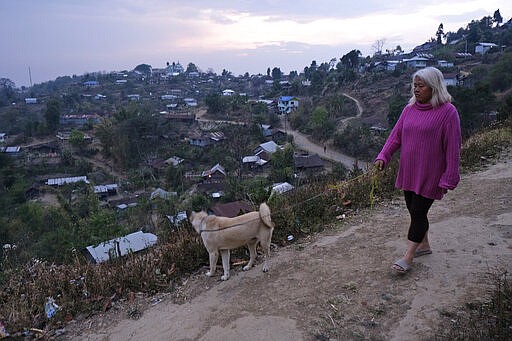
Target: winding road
<point>303,142</point>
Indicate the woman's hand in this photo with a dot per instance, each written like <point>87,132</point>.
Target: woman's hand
<point>379,165</point>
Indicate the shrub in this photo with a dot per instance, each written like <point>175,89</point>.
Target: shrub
<point>486,145</point>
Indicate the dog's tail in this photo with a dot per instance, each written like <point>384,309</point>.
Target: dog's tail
<point>265,215</point>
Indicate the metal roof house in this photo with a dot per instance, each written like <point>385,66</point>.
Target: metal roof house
<point>63,181</point>
<point>119,247</point>
<point>286,104</point>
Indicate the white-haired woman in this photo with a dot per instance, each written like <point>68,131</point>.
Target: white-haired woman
<point>428,136</point>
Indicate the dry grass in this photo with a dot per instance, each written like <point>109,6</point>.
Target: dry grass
<point>486,145</point>
<point>489,318</point>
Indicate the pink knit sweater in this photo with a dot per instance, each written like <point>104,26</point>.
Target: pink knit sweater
<point>429,140</point>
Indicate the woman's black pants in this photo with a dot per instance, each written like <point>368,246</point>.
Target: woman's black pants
<point>418,207</point>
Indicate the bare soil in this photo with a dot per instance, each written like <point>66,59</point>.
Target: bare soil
<point>338,285</point>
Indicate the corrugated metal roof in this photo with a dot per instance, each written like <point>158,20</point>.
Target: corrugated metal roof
<point>63,181</point>
<point>121,246</point>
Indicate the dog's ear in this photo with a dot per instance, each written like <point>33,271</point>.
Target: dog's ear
<point>189,214</point>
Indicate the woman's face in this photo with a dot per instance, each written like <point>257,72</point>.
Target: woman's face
<point>422,91</point>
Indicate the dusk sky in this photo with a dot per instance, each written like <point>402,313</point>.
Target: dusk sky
<point>71,37</point>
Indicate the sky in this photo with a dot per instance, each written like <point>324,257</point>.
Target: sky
<point>41,40</point>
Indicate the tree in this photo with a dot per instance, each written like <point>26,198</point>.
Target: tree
<point>104,134</point>
<point>499,75</point>
<point>144,69</point>
<point>321,126</point>
<point>276,73</point>
<point>351,59</point>
<point>497,18</point>
<point>440,34</point>
<point>77,139</point>
<point>378,45</point>
<point>52,114</point>
<point>215,103</point>
<point>191,67</point>
<point>174,176</point>
<point>471,103</point>
<point>396,103</point>
<point>282,165</point>
<point>6,83</point>
<point>226,73</point>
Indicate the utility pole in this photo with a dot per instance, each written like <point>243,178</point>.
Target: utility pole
<point>30,76</point>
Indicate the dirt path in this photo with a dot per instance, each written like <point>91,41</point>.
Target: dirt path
<point>338,285</point>
<point>303,142</point>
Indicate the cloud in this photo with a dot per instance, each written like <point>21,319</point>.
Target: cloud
<point>102,34</point>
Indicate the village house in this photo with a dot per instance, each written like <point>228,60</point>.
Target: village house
<point>12,151</point>
<point>91,84</point>
<point>228,92</point>
<point>133,97</point>
<point>174,69</point>
<point>174,161</point>
<point>231,209</point>
<point>79,120</point>
<point>191,102</point>
<point>215,174</point>
<point>287,104</point>
<point>47,153</point>
<point>416,62</point>
<point>281,188</point>
<point>168,97</point>
<point>266,130</point>
<point>104,191</point>
<point>444,64</point>
<point>253,162</point>
<point>199,140</point>
<point>483,48</point>
<point>308,162</point>
<point>266,149</point>
<point>450,79</point>
<point>180,116</point>
<point>213,180</point>
<point>118,247</point>
<point>68,180</point>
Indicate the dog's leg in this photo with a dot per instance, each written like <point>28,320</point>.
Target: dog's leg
<point>214,256</point>
<point>225,263</point>
<point>252,253</point>
<point>265,246</point>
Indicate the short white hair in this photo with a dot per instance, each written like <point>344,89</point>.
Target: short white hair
<point>434,79</point>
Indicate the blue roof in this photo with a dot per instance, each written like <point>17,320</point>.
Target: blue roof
<point>285,98</point>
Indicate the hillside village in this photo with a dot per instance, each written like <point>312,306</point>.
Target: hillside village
<point>195,110</point>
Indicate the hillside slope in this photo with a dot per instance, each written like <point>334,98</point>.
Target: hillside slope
<point>338,284</point>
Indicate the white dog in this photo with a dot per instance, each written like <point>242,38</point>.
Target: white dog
<point>221,234</point>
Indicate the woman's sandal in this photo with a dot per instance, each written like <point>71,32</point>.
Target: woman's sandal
<point>420,253</point>
<point>401,266</point>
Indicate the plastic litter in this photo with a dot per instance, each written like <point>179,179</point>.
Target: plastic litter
<point>3,332</point>
<point>50,307</point>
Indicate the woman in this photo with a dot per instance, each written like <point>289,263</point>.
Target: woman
<point>428,136</point>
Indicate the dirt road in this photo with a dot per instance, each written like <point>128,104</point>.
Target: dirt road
<point>338,285</point>
<point>303,142</point>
